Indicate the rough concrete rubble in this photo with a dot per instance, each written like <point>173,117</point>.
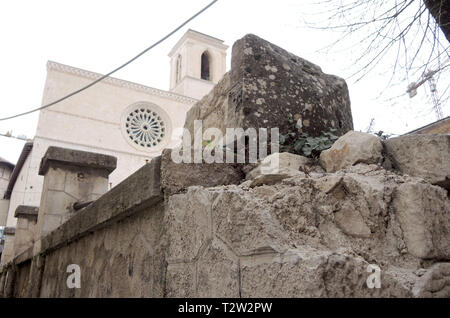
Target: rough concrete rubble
<point>310,236</point>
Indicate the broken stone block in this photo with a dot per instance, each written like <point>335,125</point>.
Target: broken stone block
<point>212,108</point>
<point>218,272</point>
<point>266,87</point>
<point>277,167</point>
<point>177,177</point>
<point>352,148</point>
<point>424,156</point>
<point>351,222</point>
<point>269,84</point>
<point>188,224</point>
<point>423,212</point>
<point>307,272</point>
<point>243,222</point>
<point>279,163</point>
<point>298,273</point>
<point>347,275</point>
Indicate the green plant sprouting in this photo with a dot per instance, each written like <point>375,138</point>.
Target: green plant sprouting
<point>301,143</point>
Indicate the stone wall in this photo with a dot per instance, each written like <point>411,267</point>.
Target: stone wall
<point>305,235</point>
<point>116,239</point>
<point>311,228</point>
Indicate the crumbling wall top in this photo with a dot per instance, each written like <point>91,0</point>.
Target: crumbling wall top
<point>70,157</point>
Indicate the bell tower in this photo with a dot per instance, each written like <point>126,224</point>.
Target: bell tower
<point>197,63</point>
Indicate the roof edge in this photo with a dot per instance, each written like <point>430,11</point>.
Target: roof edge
<point>63,68</point>
<point>428,125</point>
<point>15,174</point>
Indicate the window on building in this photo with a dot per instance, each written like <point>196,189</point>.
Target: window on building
<point>178,69</point>
<point>205,67</point>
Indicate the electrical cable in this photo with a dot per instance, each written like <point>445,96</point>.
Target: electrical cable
<point>115,70</point>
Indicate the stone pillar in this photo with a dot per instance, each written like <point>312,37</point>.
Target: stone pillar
<point>25,228</point>
<point>8,252</point>
<point>69,176</point>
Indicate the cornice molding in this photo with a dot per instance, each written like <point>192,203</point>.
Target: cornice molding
<point>54,66</point>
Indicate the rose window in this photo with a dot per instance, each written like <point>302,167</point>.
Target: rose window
<point>145,127</point>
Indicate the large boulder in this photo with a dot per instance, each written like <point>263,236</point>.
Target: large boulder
<point>269,84</point>
<point>267,87</point>
<point>352,148</point>
<point>424,156</point>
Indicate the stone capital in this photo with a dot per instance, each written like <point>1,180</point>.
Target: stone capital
<point>26,211</point>
<point>56,156</point>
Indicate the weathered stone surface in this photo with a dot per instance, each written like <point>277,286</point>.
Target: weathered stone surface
<point>307,236</point>
<point>268,275</point>
<point>279,163</point>
<point>218,272</point>
<point>139,191</point>
<point>177,177</point>
<point>132,266</point>
<point>211,109</point>
<point>346,275</point>
<point>180,280</point>
<point>423,212</point>
<point>279,166</point>
<point>434,282</point>
<point>188,224</point>
<point>70,176</point>
<point>424,156</point>
<point>352,148</point>
<point>246,225</point>
<point>25,233</point>
<point>266,86</point>
<point>63,156</point>
<point>351,222</point>
<point>26,211</point>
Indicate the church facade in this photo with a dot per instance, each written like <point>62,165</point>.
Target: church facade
<point>115,117</point>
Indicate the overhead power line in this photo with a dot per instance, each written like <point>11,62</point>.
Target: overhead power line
<point>115,70</point>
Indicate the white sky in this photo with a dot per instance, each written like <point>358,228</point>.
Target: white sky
<point>99,35</point>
